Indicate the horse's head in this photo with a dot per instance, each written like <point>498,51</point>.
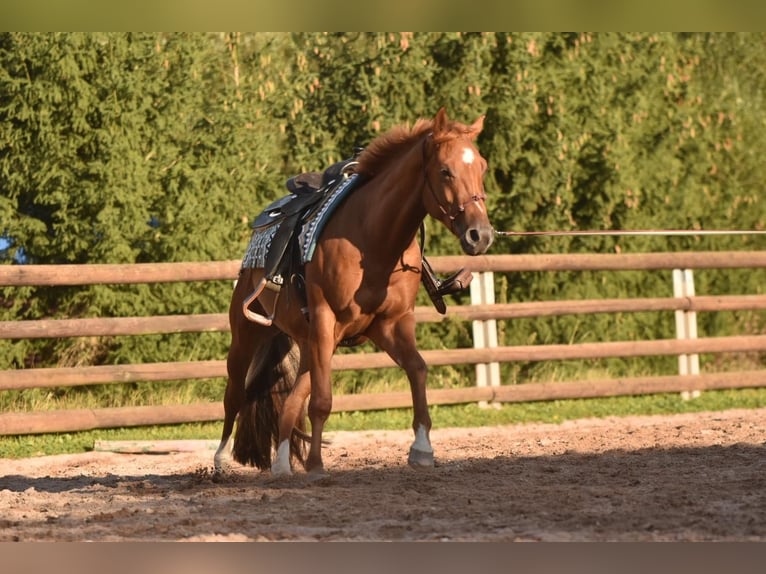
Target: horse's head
<point>454,172</point>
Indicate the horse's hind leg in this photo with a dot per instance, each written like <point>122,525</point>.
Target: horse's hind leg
<point>244,339</point>
<point>232,402</point>
<point>238,364</point>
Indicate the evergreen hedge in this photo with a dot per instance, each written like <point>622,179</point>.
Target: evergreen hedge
<point>122,147</point>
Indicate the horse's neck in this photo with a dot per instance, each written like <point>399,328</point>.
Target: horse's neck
<point>394,199</point>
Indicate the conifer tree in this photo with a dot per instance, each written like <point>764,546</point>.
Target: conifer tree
<point>121,148</point>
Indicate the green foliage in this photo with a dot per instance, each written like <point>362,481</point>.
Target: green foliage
<point>117,149</point>
<point>153,147</point>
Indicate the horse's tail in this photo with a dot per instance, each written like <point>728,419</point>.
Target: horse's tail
<point>270,378</point>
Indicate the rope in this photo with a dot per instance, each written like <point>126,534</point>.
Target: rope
<point>631,232</point>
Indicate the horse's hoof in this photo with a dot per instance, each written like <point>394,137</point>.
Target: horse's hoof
<point>221,469</point>
<point>317,474</point>
<point>281,472</point>
<point>420,459</point>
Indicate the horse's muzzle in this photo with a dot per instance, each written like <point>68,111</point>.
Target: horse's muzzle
<point>476,239</point>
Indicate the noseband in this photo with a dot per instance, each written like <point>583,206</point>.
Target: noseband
<point>459,208</point>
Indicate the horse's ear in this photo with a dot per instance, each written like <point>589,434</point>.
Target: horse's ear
<point>440,121</point>
<point>476,127</point>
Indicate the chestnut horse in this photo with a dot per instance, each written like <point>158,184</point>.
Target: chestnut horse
<point>359,284</point>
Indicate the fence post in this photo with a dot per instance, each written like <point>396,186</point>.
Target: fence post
<point>686,326</point>
<point>485,332</point>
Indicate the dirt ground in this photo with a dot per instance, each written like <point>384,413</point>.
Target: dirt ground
<point>685,477</point>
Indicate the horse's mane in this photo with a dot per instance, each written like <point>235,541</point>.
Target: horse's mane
<point>386,147</point>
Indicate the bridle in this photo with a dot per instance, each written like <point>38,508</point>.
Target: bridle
<point>458,209</point>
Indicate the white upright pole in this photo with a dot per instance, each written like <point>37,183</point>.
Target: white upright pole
<point>686,326</point>
<point>485,332</point>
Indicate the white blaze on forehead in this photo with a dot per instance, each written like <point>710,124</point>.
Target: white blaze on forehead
<point>468,155</point>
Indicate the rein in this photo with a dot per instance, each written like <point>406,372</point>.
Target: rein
<point>461,206</point>
<point>629,232</point>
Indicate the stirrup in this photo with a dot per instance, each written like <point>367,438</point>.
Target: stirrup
<point>438,288</point>
<point>252,315</point>
<point>455,282</point>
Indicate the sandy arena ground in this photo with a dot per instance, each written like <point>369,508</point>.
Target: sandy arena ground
<point>685,477</point>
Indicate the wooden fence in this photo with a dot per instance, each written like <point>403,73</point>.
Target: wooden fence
<point>84,419</point>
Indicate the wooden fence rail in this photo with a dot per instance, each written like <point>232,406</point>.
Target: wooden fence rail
<point>74,376</point>
<point>94,274</point>
<point>72,420</point>
<point>217,322</point>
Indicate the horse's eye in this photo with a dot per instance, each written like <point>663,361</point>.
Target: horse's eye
<point>446,173</point>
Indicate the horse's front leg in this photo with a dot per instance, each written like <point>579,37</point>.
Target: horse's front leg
<point>421,453</point>
<point>397,338</point>
<point>292,410</point>
<point>321,349</point>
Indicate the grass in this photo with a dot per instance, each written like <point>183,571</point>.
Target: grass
<point>469,415</point>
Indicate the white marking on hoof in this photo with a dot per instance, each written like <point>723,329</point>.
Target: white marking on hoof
<point>421,440</point>
<point>219,456</point>
<point>281,464</point>
<point>421,453</point>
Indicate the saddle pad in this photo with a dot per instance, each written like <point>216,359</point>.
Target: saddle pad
<point>260,242</point>
<point>313,227</point>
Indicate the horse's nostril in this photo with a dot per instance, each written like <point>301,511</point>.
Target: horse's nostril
<point>474,236</point>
